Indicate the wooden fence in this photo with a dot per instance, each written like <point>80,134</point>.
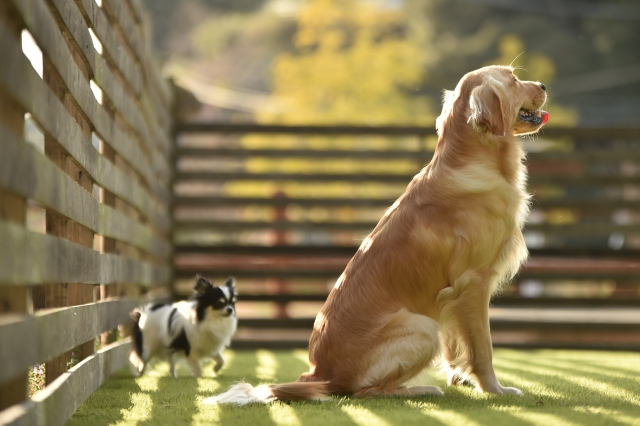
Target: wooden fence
<point>283,208</point>
<point>85,149</point>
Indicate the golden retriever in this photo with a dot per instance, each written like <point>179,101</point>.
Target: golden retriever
<point>421,282</point>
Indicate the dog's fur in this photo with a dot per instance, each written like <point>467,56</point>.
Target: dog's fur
<point>193,329</point>
<point>421,282</point>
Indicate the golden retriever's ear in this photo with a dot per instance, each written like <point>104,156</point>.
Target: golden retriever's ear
<point>487,108</point>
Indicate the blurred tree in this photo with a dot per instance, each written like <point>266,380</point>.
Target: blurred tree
<point>352,63</point>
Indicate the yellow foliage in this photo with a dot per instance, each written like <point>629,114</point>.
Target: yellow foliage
<point>351,65</point>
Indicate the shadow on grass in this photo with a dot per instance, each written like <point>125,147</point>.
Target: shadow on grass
<point>174,400</point>
<point>621,383</point>
<point>107,405</point>
<point>574,396</point>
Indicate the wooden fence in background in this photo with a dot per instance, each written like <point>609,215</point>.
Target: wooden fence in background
<point>85,152</point>
<point>284,208</point>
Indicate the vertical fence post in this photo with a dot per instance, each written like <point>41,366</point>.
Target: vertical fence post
<point>12,208</point>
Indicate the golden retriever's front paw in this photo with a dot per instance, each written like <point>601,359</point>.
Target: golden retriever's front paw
<point>500,390</point>
<point>511,391</point>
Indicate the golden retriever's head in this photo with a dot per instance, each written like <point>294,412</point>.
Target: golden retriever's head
<point>494,100</point>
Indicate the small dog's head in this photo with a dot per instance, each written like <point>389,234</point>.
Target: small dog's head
<point>494,100</point>
<point>218,301</point>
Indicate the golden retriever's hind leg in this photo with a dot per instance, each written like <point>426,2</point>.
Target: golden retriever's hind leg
<point>408,344</point>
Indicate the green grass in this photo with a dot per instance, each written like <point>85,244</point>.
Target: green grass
<point>561,388</point>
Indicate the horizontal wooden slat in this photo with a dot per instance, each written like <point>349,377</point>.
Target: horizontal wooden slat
<point>217,153</point>
<point>379,202</point>
<point>51,332</point>
<point>582,266</point>
<point>326,273</point>
<point>599,155</point>
<point>138,10</point>
<point>112,87</point>
<point>507,301</point>
<point>549,132</point>
<point>558,178</point>
<point>54,405</point>
<point>19,79</point>
<point>116,225</point>
<point>31,258</point>
<point>301,265</point>
<point>349,250</point>
<point>128,66</point>
<point>46,33</point>
<point>134,38</point>
<point>125,63</point>
<point>496,324</point>
<point>219,201</point>
<point>593,345</point>
<point>579,228</point>
<point>26,172</point>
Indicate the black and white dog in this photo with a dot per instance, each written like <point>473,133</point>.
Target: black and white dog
<point>199,327</point>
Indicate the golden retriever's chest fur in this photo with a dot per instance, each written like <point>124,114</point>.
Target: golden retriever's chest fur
<point>490,218</point>
<point>477,212</point>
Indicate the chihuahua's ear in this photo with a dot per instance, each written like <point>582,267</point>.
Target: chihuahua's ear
<point>231,282</point>
<point>201,285</point>
<point>487,109</point>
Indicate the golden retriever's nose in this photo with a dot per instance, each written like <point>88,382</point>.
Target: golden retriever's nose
<point>543,86</point>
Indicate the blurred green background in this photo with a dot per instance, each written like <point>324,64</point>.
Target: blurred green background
<point>387,61</point>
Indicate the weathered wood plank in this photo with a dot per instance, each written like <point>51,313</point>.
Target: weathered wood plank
<point>120,95</point>
<point>31,258</point>
<point>123,60</point>
<point>51,332</point>
<point>138,10</point>
<point>120,56</point>
<point>12,208</point>
<point>133,36</point>
<point>124,20</point>
<point>55,404</point>
<point>26,172</point>
<point>49,38</point>
<point>19,80</point>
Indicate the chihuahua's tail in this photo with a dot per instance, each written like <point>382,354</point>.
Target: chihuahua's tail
<point>136,361</point>
<point>244,393</point>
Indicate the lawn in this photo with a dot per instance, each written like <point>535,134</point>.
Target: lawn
<point>561,388</point>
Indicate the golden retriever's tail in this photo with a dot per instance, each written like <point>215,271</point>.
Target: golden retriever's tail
<point>244,393</point>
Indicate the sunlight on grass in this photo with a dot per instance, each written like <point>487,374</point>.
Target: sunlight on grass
<point>527,385</point>
<point>284,415</point>
<point>267,365</point>
<point>544,419</point>
<point>454,418</point>
<point>603,389</point>
<point>140,410</point>
<point>302,355</point>
<point>363,417</point>
<point>561,388</point>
